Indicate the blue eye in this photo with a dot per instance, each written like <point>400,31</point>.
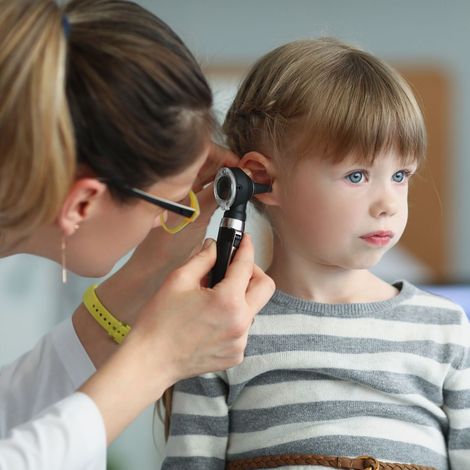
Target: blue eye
<point>400,176</point>
<point>355,177</point>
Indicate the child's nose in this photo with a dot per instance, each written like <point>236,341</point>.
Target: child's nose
<point>384,204</point>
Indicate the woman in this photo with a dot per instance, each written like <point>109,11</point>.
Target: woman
<point>105,123</point>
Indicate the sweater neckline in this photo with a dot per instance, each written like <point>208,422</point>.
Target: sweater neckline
<point>406,291</point>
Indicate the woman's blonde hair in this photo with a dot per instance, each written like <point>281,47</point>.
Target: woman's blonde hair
<point>99,84</point>
<point>37,155</point>
<point>325,98</point>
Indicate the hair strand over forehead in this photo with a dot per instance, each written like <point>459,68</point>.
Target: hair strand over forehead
<point>324,98</point>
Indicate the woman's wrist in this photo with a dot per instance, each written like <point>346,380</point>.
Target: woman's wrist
<point>123,295</point>
<point>94,339</point>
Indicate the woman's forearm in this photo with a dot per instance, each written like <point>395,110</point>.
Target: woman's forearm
<point>123,294</point>
<point>121,389</point>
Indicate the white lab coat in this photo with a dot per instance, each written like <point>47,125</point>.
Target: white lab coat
<point>44,423</point>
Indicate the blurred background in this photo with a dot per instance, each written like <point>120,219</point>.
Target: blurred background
<point>425,39</point>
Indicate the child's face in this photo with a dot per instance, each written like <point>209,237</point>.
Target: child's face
<point>346,215</point>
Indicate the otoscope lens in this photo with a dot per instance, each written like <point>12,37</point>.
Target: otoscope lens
<point>224,188</point>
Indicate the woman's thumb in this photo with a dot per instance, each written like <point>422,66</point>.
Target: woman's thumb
<point>208,243</point>
<point>202,262</point>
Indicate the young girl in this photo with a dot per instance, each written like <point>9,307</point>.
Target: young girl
<point>339,364</point>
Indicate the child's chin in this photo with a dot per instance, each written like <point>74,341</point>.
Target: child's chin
<point>366,262</point>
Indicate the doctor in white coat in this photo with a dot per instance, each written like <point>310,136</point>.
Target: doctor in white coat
<point>105,127</point>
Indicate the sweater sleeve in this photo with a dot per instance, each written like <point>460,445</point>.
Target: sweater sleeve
<point>457,404</point>
<point>68,435</point>
<point>54,369</point>
<point>199,425</point>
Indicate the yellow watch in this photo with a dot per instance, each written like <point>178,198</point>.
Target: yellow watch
<point>115,328</point>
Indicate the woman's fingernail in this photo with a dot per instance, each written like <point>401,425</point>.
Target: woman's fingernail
<point>207,243</point>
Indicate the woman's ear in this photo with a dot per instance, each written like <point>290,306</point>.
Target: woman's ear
<point>261,169</point>
<point>82,198</point>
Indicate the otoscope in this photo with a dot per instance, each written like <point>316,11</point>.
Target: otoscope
<point>233,188</point>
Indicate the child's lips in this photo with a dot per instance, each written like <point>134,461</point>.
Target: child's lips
<point>379,238</point>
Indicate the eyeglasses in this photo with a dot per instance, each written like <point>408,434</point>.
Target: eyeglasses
<point>189,213</point>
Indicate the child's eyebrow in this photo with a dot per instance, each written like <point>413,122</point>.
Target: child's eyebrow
<point>352,164</point>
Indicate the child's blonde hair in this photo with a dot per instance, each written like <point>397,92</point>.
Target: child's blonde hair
<point>326,98</point>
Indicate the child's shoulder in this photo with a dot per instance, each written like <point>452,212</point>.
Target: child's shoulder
<point>436,305</point>
<point>411,304</point>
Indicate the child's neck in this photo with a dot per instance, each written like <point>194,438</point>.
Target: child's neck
<point>296,276</point>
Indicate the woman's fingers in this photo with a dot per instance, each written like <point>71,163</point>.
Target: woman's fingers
<point>193,272</point>
<point>260,288</point>
<point>240,270</point>
<point>245,279</point>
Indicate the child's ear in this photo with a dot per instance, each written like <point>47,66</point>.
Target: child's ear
<point>84,195</point>
<point>261,169</point>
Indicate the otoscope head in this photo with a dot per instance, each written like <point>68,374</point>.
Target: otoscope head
<point>233,187</point>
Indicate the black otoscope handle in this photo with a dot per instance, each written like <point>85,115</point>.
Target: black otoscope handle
<point>228,241</point>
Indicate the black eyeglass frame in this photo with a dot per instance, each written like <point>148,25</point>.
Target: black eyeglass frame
<point>175,207</point>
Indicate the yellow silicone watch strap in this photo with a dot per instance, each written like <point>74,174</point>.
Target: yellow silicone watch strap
<point>114,327</point>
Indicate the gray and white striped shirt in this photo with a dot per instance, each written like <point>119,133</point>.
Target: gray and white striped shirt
<point>389,379</point>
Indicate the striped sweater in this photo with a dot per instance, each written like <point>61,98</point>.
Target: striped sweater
<point>389,379</point>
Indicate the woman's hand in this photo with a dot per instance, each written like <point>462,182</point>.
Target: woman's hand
<point>198,329</point>
<point>185,329</point>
